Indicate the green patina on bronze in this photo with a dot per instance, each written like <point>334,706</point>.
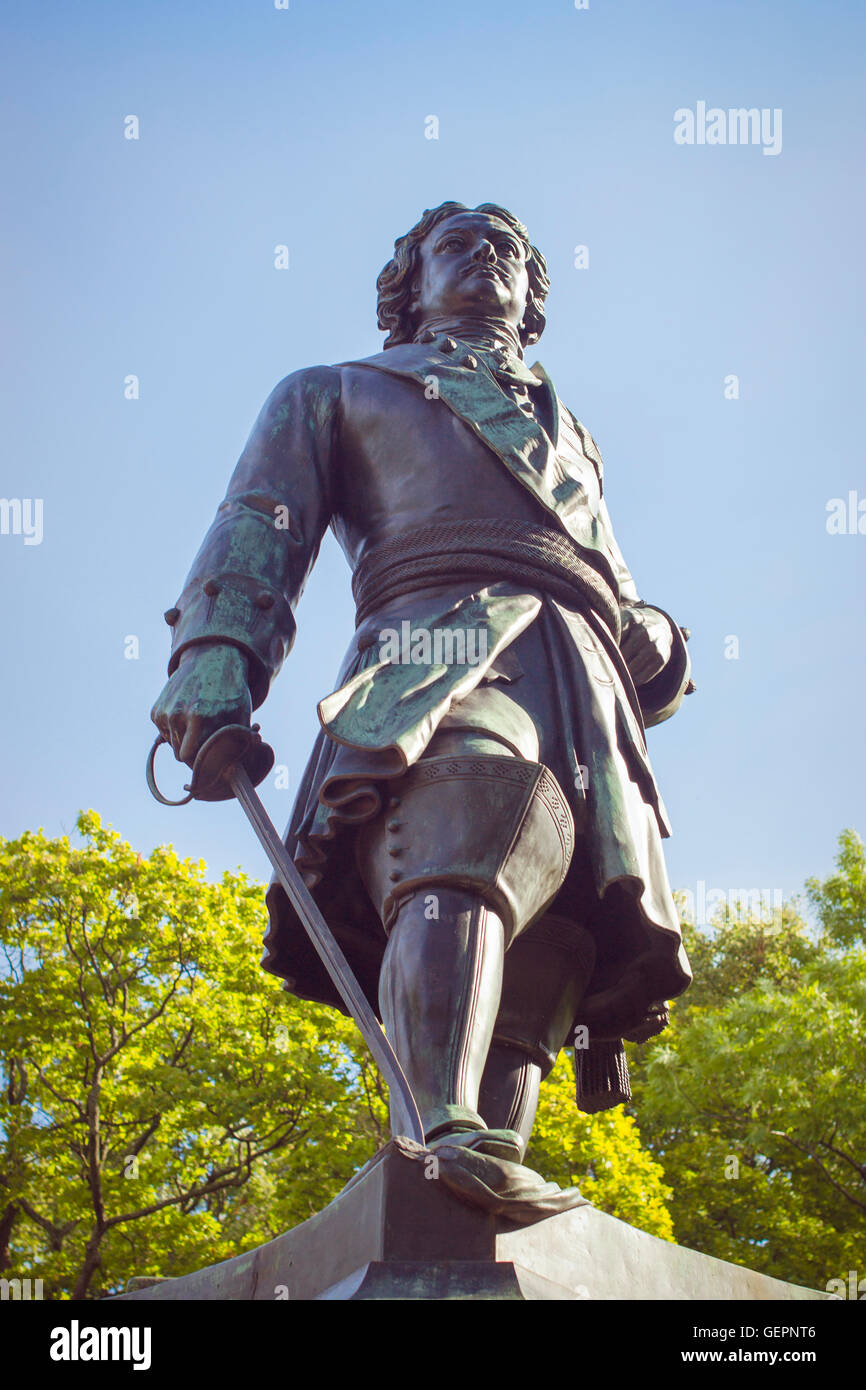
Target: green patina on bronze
<point>399,706</point>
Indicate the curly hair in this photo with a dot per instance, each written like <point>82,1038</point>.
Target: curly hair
<point>395,280</point>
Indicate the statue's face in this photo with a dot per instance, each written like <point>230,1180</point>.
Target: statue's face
<point>471,263</point>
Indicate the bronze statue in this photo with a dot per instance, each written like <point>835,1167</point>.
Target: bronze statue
<point>479,822</point>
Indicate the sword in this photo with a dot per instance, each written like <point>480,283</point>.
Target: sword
<point>231,763</point>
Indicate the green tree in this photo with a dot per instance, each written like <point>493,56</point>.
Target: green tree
<point>164,1104</point>
<point>753,1098</point>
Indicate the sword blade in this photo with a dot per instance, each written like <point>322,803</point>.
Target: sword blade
<point>404,1111</point>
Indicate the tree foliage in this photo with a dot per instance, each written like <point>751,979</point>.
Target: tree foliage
<point>164,1105</point>
<point>752,1100</point>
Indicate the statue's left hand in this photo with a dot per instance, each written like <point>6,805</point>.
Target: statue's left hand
<point>646,644</point>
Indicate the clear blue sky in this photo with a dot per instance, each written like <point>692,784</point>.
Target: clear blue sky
<point>307,127</point>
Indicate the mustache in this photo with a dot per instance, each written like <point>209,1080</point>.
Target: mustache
<point>490,269</point>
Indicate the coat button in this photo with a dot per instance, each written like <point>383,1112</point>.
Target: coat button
<point>393,825</point>
<point>211,588</point>
<point>448,345</point>
<point>428,336</point>
<point>394,876</point>
<point>470,362</point>
<point>395,801</point>
<point>686,633</point>
<point>171,616</point>
<point>264,600</point>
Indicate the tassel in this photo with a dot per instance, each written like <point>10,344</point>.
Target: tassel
<point>601,1070</point>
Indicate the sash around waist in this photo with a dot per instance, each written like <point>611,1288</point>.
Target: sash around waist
<point>483,552</point>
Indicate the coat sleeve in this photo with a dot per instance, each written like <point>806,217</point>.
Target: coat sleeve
<point>252,566</point>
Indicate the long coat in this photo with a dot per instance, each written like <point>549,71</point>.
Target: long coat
<point>369,449</point>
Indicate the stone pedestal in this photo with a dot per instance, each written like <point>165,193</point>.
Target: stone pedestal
<point>397,1234</point>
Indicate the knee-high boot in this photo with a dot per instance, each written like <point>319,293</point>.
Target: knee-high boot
<point>439,992</point>
<point>546,973</point>
<point>510,1089</point>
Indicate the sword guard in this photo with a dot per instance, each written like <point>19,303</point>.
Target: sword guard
<point>232,746</point>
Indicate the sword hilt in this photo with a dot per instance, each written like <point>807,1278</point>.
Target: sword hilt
<point>235,745</point>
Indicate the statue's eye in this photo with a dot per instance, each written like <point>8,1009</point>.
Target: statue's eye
<point>453,243</point>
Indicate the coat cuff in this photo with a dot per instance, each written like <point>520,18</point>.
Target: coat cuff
<point>235,609</point>
<point>662,696</point>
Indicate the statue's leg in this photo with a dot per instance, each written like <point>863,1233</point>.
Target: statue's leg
<point>473,845</point>
<point>546,972</point>
<point>439,991</point>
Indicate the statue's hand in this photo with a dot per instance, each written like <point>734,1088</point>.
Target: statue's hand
<point>208,690</point>
<point>646,644</point>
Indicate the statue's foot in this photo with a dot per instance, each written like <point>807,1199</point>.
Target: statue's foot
<point>498,1143</point>
<point>495,1184</point>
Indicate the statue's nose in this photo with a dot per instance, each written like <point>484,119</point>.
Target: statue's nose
<point>484,251</point>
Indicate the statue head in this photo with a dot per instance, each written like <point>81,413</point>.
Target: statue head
<point>476,262</point>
